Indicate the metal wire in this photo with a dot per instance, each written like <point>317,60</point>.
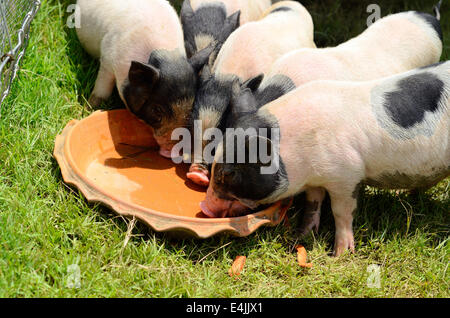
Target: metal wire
<point>15,20</point>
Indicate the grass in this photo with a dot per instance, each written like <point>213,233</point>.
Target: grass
<point>46,226</point>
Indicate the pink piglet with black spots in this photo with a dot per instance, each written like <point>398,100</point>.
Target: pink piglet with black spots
<point>141,50</point>
<point>334,136</point>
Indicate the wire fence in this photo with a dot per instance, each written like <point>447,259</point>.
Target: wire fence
<point>15,20</point>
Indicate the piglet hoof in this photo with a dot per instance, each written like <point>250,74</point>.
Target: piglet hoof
<point>95,101</point>
<point>344,244</point>
<point>310,223</point>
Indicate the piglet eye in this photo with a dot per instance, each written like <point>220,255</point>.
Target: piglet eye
<point>228,173</point>
<point>230,176</point>
<point>155,114</point>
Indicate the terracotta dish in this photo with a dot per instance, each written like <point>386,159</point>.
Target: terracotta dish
<point>112,158</point>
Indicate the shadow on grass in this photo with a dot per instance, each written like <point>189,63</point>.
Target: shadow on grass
<point>389,214</point>
<point>382,216</point>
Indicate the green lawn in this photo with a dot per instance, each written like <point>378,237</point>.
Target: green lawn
<point>45,226</point>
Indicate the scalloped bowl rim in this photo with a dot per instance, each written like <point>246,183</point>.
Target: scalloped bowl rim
<point>185,223</point>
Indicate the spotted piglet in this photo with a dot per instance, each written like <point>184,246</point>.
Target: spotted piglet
<point>392,45</point>
<point>141,50</point>
<point>245,56</point>
<point>207,22</point>
<point>392,133</point>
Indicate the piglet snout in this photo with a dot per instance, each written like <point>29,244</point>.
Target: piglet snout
<point>207,211</point>
<point>214,207</point>
<point>166,153</point>
<point>165,146</point>
<point>198,174</point>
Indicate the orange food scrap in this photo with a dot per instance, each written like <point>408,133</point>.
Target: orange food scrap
<point>237,267</point>
<point>301,257</point>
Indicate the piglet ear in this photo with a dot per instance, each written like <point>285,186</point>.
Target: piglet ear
<point>230,25</point>
<point>142,77</point>
<point>190,50</point>
<point>205,74</point>
<point>186,10</point>
<point>199,59</point>
<point>242,101</point>
<point>141,73</point>
<point>236,88</point>
<point>253,83</point>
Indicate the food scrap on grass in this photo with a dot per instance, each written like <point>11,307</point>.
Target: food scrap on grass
<point>237,267</point>
<point>302,256</point>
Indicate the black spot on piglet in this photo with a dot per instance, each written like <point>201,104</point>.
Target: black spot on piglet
<point>280,9</point>
<point>416,95</point>
<point>207,20</point>
<point>433,21</point>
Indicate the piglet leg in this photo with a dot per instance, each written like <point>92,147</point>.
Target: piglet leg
<point>103,88</point>
<point>343,205</point>
<point>311,215</point>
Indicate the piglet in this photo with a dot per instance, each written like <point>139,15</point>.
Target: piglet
<point>391,133</point>
<point>415,40</point>
<point>141,50</point>
<point>211,21</point>
<point>245,56</point>
<point>392,45</point>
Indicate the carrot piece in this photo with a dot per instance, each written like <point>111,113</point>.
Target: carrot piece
<point>301,257</point>
<point>237,267</point>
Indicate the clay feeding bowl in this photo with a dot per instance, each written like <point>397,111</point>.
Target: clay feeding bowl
<point>112,158</point>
